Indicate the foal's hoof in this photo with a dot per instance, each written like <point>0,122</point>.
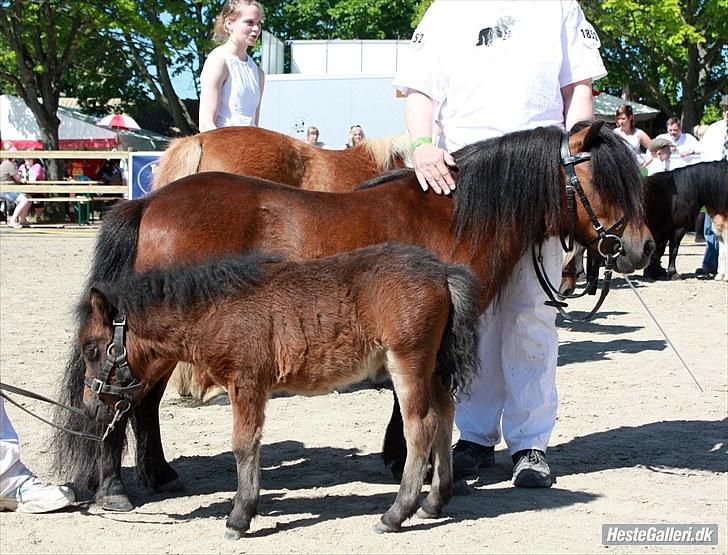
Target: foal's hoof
<point>114,498</point>
<point>383,528</point>
<point>233,534</point>
<point>118,503</point>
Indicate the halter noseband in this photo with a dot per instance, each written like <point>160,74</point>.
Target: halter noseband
<point>116,360</point>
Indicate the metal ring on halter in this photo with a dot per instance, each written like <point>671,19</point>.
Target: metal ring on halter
<point>616,242</point>
<point>114,357</point>
<point>125,406</point>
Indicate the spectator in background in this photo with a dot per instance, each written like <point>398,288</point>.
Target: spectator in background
<point>31,171</point>
<point>713,146</point>
<point>9,173</point>
<point>312,136</point>
<point>661,149</point>
<point>110,173</point>
<point>634,137</point>
<point>686,146</point>
<point>231,83</point>
<point>356,134</point>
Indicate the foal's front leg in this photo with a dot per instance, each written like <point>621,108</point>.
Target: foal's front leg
<point>248,414</point>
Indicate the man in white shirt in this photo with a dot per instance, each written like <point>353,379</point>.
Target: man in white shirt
<point>479,70</point>
<point>685,146</point>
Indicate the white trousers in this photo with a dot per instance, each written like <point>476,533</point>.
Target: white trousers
<point>518,354</point>
<point>12,471</point>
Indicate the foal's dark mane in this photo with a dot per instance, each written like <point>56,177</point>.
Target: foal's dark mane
<point>706,182</point>
<point>184,286</point>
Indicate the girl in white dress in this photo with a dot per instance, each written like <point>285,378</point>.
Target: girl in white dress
<point>231,83</point>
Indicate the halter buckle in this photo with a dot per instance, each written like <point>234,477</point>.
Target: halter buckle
<point>96,386</point>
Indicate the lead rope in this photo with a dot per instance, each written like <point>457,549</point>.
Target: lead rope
<point>677,353</point>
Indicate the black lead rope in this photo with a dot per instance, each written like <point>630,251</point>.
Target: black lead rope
<point>36,396</point>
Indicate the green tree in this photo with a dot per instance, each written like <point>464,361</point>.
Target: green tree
<point>39,43</point>
<point>671,54</point>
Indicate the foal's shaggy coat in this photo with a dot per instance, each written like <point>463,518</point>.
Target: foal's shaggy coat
<point>258,325</point>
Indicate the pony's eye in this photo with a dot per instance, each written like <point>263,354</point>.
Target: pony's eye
<point>91,351</point>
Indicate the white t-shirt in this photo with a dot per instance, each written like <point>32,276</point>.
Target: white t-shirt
<point>685,140</point>
<point>240,93</point>
<point>657,165</point>
<point>633,141</point>
<point>499,66</point>
<point>713,141</point>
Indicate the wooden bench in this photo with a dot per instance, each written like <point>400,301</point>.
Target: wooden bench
<point>87,191</point>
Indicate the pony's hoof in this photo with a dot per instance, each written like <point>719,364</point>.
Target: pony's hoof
<point>675,277</point>
<point>422,513</point>
<point>171,486</point>
<point>233,534</point>
<point>118,503</point>
<point>383,528</point>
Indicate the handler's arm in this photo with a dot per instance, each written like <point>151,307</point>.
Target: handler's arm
<point>578,103</point>
<point>430,161</point>
<point>213,75</point>
<point>261,86</point>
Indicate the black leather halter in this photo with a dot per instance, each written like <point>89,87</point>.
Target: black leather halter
<point>116,360</point>
<point>609,245</point>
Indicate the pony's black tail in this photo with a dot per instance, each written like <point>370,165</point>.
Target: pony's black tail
<point>77,458</point>
<point>457,359</point>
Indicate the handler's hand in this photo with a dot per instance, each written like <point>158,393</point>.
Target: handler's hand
<point>431,168</point>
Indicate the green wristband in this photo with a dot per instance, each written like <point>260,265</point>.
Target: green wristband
<point>420,141</point>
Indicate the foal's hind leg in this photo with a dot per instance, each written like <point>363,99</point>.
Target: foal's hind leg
<point>441,489</point>
<point>420,423</point>
<point>152,467</point>
<point>248,407</point>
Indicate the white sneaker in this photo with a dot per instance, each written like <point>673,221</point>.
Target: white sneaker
<point>34,496</point>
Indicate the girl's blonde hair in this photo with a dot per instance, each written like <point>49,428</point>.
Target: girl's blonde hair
<point>230,11</point>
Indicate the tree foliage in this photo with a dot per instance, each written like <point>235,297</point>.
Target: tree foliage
<point>671,54</point>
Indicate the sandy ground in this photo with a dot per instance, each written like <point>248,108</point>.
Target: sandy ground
<point>635,441</point>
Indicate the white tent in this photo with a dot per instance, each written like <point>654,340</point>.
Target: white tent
<point>18,125</point>
<point>605,107</point>
<point>77,131</point>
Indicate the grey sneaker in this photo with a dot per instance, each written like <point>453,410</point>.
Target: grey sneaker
<point>530,469</point>
<point>34,496</point>
<point>469,457</point>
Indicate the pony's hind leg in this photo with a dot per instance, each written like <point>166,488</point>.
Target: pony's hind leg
<point>248,414</point>
<point>152,468</point>
<point>441,488</point>
<point>420,423</point>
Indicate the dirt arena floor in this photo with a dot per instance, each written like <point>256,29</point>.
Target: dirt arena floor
<point>635,441</point>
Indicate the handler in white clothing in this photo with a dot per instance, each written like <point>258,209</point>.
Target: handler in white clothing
<point>686,148</point>
<point>480,70</point>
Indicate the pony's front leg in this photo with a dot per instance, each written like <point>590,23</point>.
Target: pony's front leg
<point>677,236</point>
<point>420,423</point>
<point>441,488</point>
<point>152,468</point>
<point>111,494</point>
<point>248,414</point>
<point>722,245</point>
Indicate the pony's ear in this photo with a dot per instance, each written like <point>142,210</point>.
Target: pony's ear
<point>101,303</point>
<point>592,136</point>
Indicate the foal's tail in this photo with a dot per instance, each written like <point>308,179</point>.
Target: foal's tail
<point>457,359</point>
<point>78,458</point>
<point>182,158</point>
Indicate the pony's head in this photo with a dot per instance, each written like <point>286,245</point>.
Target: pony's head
<point>608,218</point>
<point>109,382</point>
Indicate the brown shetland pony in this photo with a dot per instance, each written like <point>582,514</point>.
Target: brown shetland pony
<point>510,194</point>
<point>258,325</point>
<point>269,155</point>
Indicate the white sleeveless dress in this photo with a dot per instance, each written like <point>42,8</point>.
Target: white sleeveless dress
<point>633,141</point>
<point>240,93</point>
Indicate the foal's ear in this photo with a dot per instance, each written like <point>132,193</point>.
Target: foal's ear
<point>101,304</point>
<point>592,136</point>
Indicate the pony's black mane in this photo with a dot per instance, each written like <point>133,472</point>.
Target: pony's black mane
<point>706,182</point>
<point>516,179</point>
<point>184,286</point>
